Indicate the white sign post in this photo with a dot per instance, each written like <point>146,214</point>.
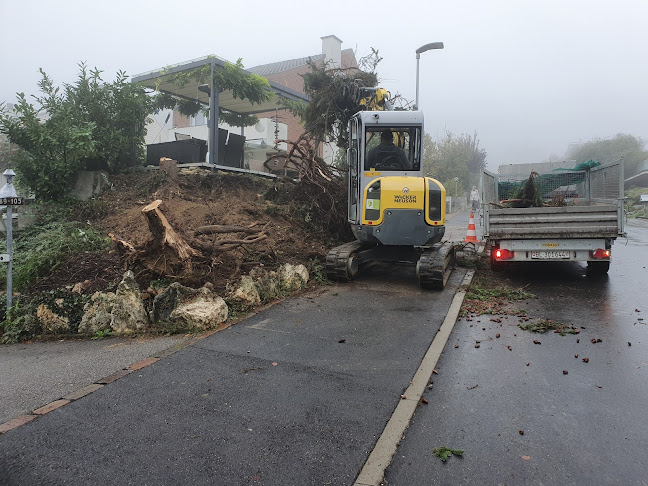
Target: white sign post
<point>9,198</point>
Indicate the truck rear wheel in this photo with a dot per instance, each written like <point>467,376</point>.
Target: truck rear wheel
<point>598,268</point>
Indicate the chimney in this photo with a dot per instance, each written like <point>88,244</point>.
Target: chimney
<point>332,50</point>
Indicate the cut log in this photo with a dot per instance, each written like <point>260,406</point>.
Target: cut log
<point>164,234</point>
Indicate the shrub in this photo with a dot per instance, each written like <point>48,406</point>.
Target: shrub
<point>40,250</point>
<point>90,124</point>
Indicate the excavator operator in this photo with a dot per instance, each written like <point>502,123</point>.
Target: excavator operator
<point>387,156</point>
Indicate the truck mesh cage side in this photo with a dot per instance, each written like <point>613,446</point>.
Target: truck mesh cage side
<point>488,187</point>
<point>605,182</point>
<point>567,184</point>
<point>599,184</point>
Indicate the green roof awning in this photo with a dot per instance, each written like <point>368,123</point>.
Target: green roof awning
<point>155,80</point>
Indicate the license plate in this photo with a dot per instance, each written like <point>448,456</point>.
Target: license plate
<point>549,255</point>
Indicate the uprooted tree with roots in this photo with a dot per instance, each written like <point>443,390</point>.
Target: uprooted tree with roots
<point>335,94</point>
<point>317,191</point>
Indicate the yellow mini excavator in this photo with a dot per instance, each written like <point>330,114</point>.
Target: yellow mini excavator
<point>396,214</point>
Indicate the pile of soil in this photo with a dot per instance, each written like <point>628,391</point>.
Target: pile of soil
<point>191,199</point>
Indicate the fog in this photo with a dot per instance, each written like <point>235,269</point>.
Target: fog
<point>529,77</point>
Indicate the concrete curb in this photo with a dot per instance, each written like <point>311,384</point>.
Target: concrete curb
<point>373,471</point>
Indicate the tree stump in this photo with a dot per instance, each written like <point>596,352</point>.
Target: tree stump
<point>164,236</point>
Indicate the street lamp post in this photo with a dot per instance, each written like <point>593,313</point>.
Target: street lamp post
<point>9,198</point>
<point>426,47</point>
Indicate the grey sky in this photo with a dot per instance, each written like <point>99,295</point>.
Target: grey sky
<point>528,76</point>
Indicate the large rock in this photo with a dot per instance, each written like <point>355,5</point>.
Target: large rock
<point>97,314</point>
<point>245,296</point>
<point>180,308</point>
<point>50,322</point>
<point>128,313</point>
<point>123,311</point>
<point>268,284</point>
<point>293,277</point>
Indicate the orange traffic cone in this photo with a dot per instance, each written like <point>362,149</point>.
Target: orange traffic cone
<point>471,236</point>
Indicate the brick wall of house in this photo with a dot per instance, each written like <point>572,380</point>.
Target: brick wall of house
<point>179,120</point>
<point>293,79</point>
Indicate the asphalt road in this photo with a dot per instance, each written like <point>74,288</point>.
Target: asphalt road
<point>34,374</point>
<point>297,394</point>
<point>586,427</point>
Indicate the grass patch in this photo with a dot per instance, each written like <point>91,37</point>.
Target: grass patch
<point>40,250</point>
<point>101,334</point>
<point>317,272</point>
<point>543,325</point>
<point>21,323</point>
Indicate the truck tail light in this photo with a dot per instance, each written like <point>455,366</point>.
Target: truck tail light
<point>601,254</point>
<point>501,254</point>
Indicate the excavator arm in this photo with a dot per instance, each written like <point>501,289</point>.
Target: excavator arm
<point>375,99</point>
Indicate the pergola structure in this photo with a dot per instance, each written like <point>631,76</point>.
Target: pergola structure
<point>213,96</point>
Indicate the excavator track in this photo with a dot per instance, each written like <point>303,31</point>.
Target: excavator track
<point>341,262</point>
<point>435,266</point>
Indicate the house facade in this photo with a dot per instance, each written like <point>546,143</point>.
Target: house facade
<point>289,73</point>
<point>168,125</point>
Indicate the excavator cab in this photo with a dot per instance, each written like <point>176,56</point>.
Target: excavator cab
<point>392,148</point>
<point>396,214</point>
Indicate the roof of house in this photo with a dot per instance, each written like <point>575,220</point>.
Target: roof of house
<point>281,66</point>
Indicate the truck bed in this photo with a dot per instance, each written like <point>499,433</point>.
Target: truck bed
<point>596,221</point>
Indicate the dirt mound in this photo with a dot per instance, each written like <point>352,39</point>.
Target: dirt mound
<point>194,199</point>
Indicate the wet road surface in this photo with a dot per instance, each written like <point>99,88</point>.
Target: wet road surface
<point>585,427</point>
<point>296,395</point>
<point>34,374</point>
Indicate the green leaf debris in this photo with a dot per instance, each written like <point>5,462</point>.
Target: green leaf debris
<point>543,325</point>
<point>445,452</point>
